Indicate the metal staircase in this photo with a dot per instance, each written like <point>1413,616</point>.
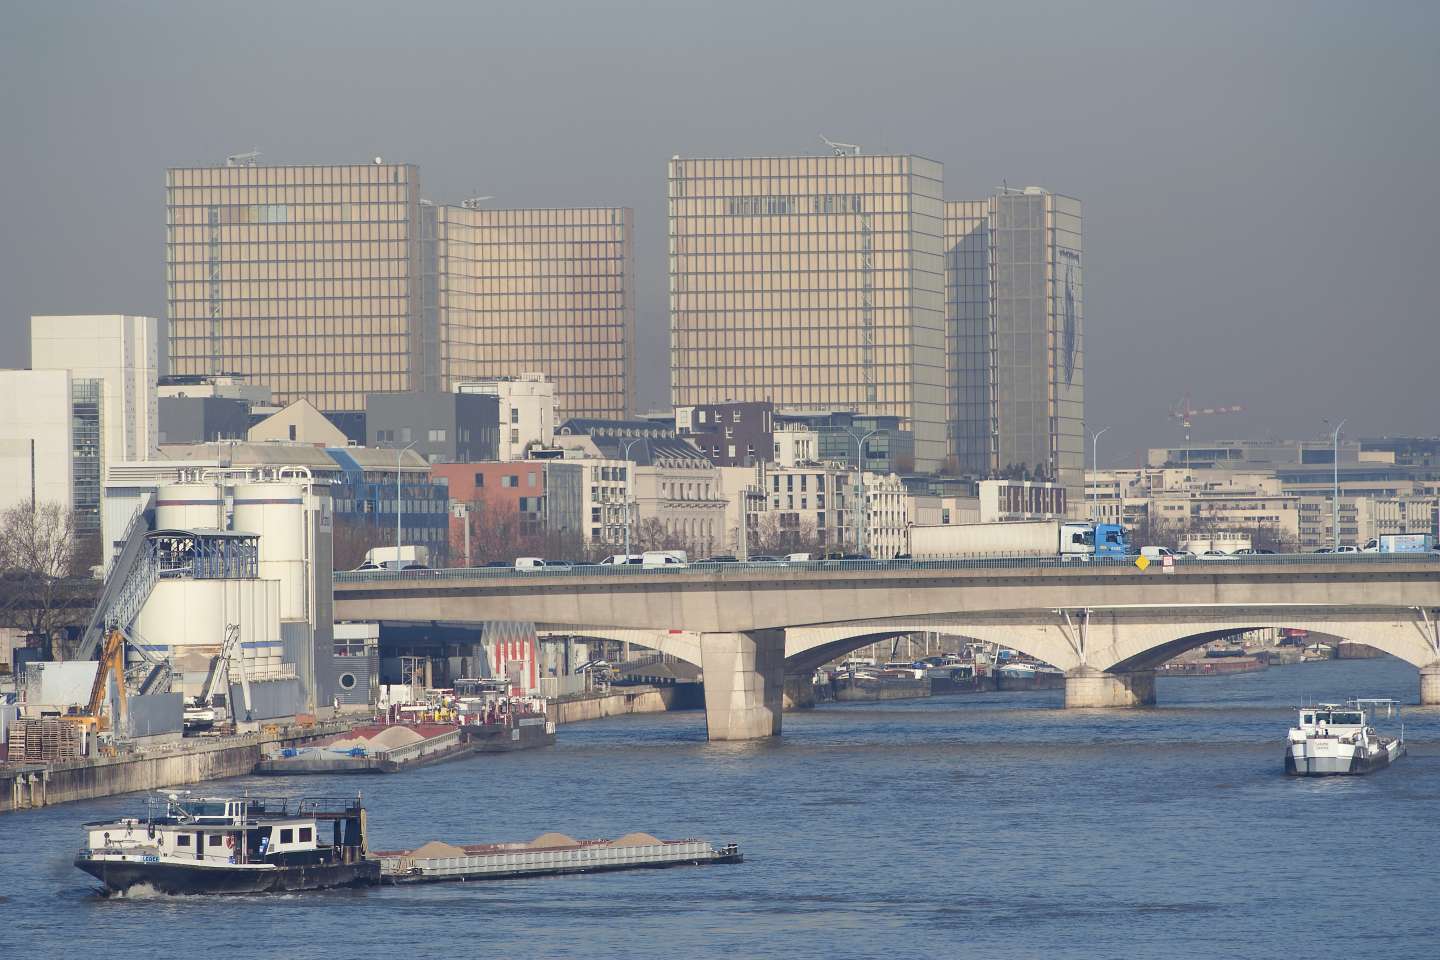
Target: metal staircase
<point>132,576</point>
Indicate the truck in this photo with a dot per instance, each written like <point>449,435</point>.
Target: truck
<point>412,557</point>
<point>1072,539</point>
<point>1400,543</point>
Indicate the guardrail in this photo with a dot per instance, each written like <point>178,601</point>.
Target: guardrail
<point>835,566</point>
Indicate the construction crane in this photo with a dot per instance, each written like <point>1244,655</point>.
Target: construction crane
<point>202,713</point>
<point>1185,412</point>
<point>112,664</point>
<point>841,149</point>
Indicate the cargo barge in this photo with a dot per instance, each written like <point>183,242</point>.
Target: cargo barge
<point>392,748</point>
<point>253,845</point>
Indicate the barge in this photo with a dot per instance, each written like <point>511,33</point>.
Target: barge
<point>229,845</point>
<point>252,845</point>
<point>1336,740</point>
<point>393,748</point>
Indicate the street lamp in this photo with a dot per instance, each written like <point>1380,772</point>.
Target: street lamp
<point>1335,491</point>
<point>629,482</point>
<point>860,487</point>
<point>1095,468</point>
<point>399,455</point>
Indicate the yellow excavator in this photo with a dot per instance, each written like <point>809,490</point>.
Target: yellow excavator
<point>112,664</point>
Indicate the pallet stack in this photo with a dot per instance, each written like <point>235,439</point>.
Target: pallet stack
<point>34,741</point>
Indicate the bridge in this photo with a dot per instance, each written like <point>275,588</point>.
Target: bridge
<point>1107,624</point>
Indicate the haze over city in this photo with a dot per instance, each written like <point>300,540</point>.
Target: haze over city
<point>1257,178</point>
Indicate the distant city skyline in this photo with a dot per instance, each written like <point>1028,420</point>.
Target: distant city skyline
<point>1223,160</point>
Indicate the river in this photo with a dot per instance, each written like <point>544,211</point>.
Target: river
<point>990,825</point>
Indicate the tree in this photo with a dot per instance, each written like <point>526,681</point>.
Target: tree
<point>352,538</point>
<point>40,561</point>
<point>775,536</point>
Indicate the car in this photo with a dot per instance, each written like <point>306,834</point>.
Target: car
<point>500,563</point>
<point>1254,552</point>
<point>763,558</point>
<point>1325,550</point>
<point>722,558</point>
<point>798,558</point>
<point>1346,548</point>
<point>623,558</point>
<point>1216,555</point>
<point>652,559</point>
<point>526,564</point>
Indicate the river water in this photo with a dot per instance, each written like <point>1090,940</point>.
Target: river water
<point>990,825</point>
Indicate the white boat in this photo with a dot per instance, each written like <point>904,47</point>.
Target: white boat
<point>1337,739</point>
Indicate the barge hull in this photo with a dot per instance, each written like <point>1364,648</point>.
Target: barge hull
<point>120,876</point>
<point>556,871</point>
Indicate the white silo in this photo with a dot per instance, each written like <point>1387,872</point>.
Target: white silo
<point>189,506</point>
<point>276,512</point>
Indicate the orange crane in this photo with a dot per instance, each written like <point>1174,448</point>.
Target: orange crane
<point>112,664</point>
<point>1186,412</point>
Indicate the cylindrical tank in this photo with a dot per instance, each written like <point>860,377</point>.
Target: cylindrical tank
<point>189,506</point>
<point>276,511</point>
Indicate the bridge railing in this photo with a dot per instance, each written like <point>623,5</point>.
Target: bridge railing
<point>782,568</point>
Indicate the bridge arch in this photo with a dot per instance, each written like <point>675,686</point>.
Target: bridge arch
<point>807,648</point>
<point>681,644</point>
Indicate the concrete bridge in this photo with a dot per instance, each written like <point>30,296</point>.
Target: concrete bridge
<point>1106,624</point>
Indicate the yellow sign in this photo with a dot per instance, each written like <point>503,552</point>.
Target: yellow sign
<point>1142,561</point>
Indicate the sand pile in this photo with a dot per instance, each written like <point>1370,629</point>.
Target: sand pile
<point>387,739</point>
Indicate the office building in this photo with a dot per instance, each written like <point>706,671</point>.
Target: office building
<point>202,419</point>
<point>526,408</point>
<point>1014,345</point>
<point>732,434</point>
<point>39,424</point>
<point>441,427</point>
<point>122,353</point>
<point>305,279</point>
<point>547,291</point>
<point>811,281</point>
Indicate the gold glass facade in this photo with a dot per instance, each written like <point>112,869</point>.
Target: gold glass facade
<point>1015,358</point>
<point>541,290</point>
<point>811,282</point>
<point>300,278</point>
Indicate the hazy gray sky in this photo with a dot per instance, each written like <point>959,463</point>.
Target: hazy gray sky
<point>1259,179</point>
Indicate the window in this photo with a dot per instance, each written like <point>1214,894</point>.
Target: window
<point>183,840</point>
<point>510,480</point>
<point>514,436</point>
<point>734,416</point>
<point>216,840</point>
<point>292,431</point>
<point>287,835</point>
<point>306,835</point>
<point>437,436</point>
<point>404,434</point>
<point>514,414</point>
<point>479,479</point>
<point>530,479</point>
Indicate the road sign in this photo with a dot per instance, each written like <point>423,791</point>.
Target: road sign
<point>1142,561</point>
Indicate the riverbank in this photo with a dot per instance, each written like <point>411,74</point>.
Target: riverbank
<point>191,760</point>
<point>620,701</point>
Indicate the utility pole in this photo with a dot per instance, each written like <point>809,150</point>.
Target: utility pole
<point>1095,468</point>
<point>864,507</point>
<point>1335,490</point>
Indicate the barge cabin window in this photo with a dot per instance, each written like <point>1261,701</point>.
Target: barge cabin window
<point>287,835</point>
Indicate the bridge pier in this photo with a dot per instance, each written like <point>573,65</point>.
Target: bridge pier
<point>1430,684</point>
<point>799,691</point>
<point>744,683</point>
<point>1086,687</point>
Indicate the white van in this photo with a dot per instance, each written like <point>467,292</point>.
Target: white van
<point>1156,553</point>
<point>798,558</point>
<point>620,558</point>
<point>529,563</point>
<point>663,558</point>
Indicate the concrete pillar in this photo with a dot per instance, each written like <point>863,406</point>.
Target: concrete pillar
<point>800,692</point>
<point>744,680</point>
<point>1086,687</point>
<point>1430,684</point>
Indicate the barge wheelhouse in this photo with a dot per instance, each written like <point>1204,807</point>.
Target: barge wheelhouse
<point>231,845</point>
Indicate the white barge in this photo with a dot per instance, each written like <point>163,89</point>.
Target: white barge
<point>1337,739</point>
<point>550,853</point>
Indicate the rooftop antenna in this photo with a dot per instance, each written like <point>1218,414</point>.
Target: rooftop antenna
<point>841,149</point>
<point>243,159</point>
<point>473,203</point>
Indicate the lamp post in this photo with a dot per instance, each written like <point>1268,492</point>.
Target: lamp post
<point>1335,490</point>
<point>1095,468</point>
<point>860,487</point>
<point>629,482</point>
<point>399,455</point>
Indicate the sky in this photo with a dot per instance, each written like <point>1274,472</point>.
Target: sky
<point>1259,179</point>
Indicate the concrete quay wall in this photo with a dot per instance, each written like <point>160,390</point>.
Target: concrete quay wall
<point>188,761</point>
<point>619,701</point>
